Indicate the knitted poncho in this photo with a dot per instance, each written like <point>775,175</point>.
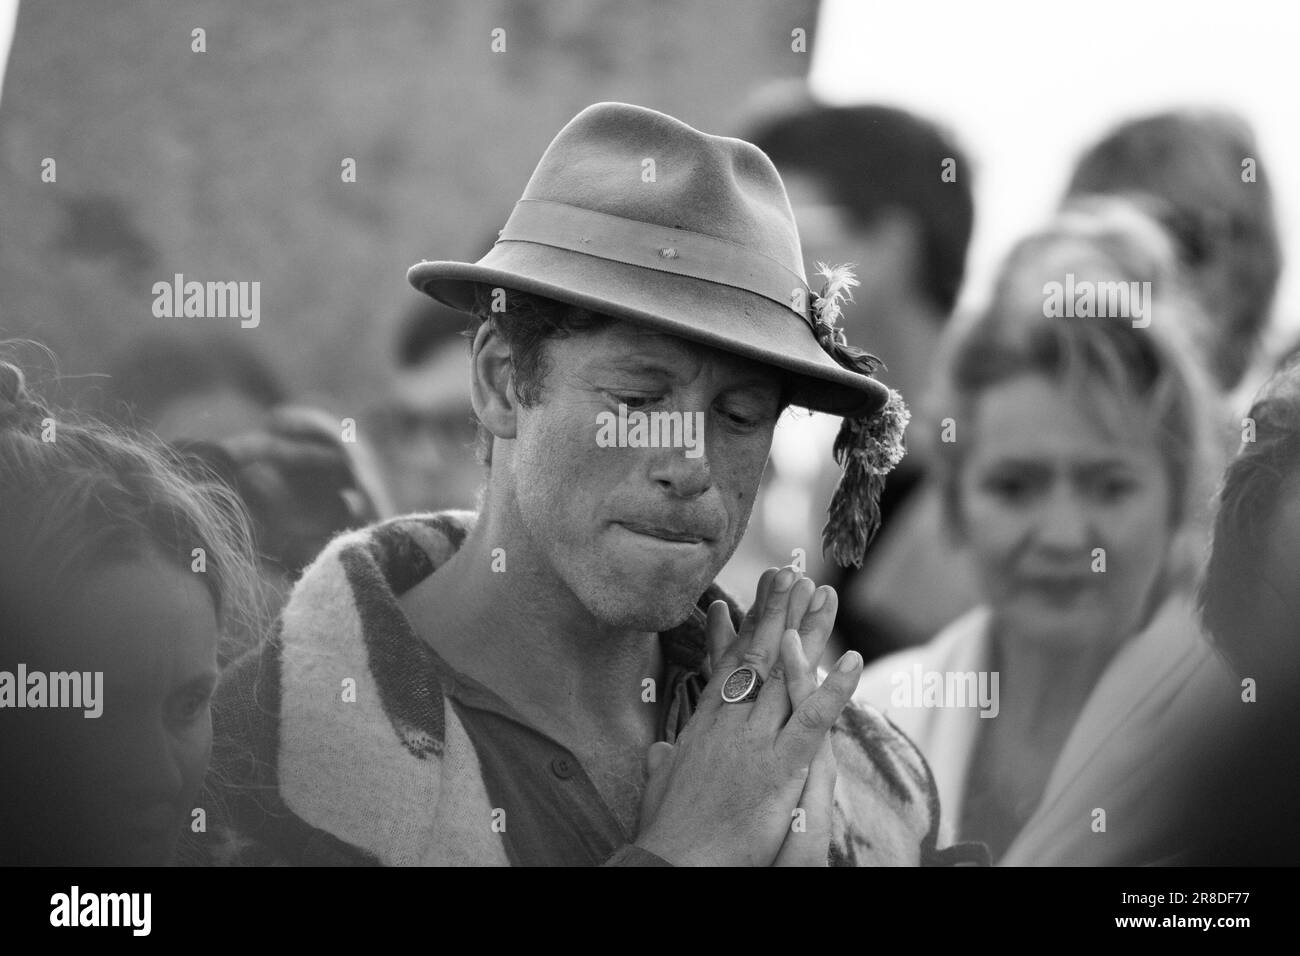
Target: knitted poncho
<point>335,742</point>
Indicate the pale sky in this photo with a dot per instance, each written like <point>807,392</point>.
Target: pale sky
<point>8,16</point>
<point>1026,85</point>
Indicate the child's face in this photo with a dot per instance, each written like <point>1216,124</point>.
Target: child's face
<point>118,788</point>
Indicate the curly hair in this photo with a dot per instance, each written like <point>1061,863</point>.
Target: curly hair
<point>76,493</point>
<point>526,323</point>
<point>1255,484</point>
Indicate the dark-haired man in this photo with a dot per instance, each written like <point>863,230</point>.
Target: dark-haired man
<point>556,679</point>
<point>1200,173</point>
<point>1247,769</point>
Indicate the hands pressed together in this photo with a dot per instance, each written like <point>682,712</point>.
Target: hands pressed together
<point>727,793</point>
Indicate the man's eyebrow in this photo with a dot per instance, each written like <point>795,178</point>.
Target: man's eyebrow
<point>637,363</point>
<point>667,368</point>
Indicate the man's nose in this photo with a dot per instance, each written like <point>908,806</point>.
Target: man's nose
<point>681,475</point>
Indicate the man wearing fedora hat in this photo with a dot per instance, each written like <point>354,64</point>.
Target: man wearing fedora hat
<point>555,679</point>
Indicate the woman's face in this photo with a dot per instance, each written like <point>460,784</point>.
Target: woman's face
<point>1046,495</point>
<point>118,788</point>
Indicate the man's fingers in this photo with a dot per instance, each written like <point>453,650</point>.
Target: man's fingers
<point>761,592</point>
<point>774,703</point>
<point>659,759</point>
<point>720,633</point>
<point>818,622</point>
<point>800,596</point>
<point>658,755</point>
<point>765,643</point>
<point>758,643</point>
<point>817,802</point>
<point>808,842</point>
<point>819,790</point>
<point>772,709</point>
<point>801,673</point>
<point>725,650</point>
<point>816,714</point>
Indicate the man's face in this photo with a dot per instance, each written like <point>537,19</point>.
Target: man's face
<point>429,436</point>
<point>638,533</point>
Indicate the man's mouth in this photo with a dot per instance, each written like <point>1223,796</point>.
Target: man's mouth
<point>674,534</point>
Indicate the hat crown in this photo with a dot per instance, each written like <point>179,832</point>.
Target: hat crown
<point>645,166</point>
<point>633,214</point>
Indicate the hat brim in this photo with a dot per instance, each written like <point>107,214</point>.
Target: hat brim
<point>726,318</point>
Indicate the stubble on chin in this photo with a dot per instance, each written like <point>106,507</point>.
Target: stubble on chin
<point>652,604</point>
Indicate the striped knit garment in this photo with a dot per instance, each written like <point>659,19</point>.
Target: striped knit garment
<point>392,778</point>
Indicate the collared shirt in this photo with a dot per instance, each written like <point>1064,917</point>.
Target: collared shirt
<point>555,814</point>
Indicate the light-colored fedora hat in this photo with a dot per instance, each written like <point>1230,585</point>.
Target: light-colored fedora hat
<point>633,214</point>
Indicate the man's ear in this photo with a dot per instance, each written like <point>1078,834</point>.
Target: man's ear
<point>492,382</point>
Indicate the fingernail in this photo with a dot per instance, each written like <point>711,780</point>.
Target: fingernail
<point>784,579</point>
<point>849,662</point>
<point>819,599</point>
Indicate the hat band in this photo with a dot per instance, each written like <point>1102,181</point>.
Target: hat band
<point>662,248</point>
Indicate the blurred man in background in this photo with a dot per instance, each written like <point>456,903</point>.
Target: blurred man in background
<point>425,425</point>
<point>891,193</point>
<point>1200,173</point>
<point>1242,811</point>
<point>198,387</point>
<point>303,474</point>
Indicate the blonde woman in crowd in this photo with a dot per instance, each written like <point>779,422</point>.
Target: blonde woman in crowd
<point>1075,452</point>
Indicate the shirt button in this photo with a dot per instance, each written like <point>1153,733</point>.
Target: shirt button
<point>563,767</point>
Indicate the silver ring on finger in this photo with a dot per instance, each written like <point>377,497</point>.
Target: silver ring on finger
<point>742,685</point>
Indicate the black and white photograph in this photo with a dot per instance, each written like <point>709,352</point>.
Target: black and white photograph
<point>650,433</point>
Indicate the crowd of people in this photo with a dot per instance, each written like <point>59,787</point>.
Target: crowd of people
<point>458,631</point>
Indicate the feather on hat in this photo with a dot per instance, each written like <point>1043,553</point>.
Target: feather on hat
<point>867,447</point>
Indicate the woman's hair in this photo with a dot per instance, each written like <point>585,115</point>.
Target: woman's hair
<point>1155,372</point>
<point>76,495</point>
